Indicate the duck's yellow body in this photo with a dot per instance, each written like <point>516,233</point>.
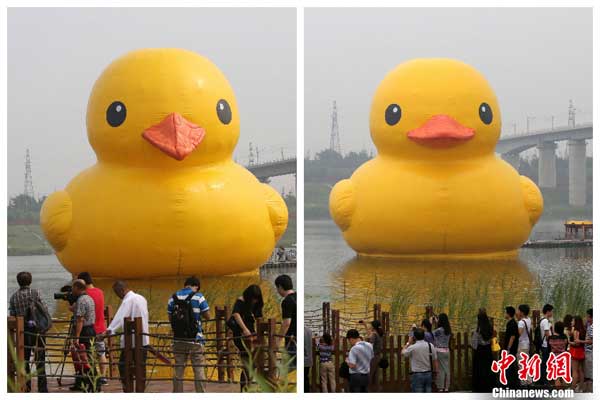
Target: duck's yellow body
<point>436,189</point>
<point>165,198</point>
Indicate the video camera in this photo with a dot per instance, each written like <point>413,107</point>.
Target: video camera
<point>66,294</point>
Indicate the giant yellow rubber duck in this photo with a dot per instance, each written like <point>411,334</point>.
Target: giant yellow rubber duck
<point>435,189</point>
<point>165,197</point>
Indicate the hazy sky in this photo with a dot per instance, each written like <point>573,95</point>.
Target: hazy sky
<point>535,59</point>
<point>55,56</point>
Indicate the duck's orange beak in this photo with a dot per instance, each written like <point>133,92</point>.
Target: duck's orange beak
<point>175,136</point>
<point>441,131</point>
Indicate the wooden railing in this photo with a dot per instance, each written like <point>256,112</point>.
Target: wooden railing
<point>396,377</point>
<point>219,351</point>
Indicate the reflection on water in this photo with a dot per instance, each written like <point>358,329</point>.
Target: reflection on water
<point>404,288</point>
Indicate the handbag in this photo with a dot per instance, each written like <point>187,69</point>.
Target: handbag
<point>344,370</point>
<point>495,345</point>
<point>383,363</point>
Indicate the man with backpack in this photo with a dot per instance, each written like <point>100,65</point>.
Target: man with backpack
<point>541,339</point>
<point>186,308</point>
<point>27,303</point>
<point>524,327</point>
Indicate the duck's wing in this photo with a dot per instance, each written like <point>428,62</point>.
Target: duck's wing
<point>55,219</point>
<point>534,202</point>
<point>278,211</point>
<point>342,203</point>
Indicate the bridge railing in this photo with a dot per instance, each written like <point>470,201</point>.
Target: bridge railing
<point>544,130</point>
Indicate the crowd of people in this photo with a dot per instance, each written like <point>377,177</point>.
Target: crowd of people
<point>571,334</point>
<point>187,308</point>
<point>428,352</point>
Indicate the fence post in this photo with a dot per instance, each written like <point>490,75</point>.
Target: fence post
<point>228,346</point>
<point>273,340</point>
<point>11,370</point>
<point>16,368</point>
<point>343,358</point>
<point>259,360</point>
<point>108,316</point>
<point>313,370</point>
<point>335,321</point>
<point>385,321</point>
<point>127,379</point>
<point>376,312</point>
<point>406,380</point>
<point>139,364</point>
<point>535,319</point>
<point>220,334</point>
<point>466,346</point>
<point>391,367</point>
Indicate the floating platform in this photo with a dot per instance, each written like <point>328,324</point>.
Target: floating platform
<point>279,264</point>
<point>545,244</point>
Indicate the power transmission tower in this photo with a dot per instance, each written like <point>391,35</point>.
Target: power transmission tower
<point>28,186</point>
<point>572,110</point>
<point>251,155</point>
<point>334,139</point>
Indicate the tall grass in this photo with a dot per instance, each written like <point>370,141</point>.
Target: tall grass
<point>570,294</point>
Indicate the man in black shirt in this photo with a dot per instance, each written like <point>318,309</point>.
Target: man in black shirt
<point>285,288</point>
<point>511,344</point>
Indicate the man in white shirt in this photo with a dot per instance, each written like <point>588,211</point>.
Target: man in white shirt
<point>132,306</point>
<point>423,362</point>
<point>359,362</point>
<point>524,326</point>
<point>545,333</point>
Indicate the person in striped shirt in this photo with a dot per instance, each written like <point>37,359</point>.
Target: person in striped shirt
<point>192,348</point>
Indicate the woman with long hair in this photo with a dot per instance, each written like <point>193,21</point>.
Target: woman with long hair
<point>246,309</point>
<point>483,377</point>
<point>375,336</point>
<point>577,351</point>
<point>441,340</point>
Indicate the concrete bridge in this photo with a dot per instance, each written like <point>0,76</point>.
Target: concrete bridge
<point>509,147</point>
<point>269,169</point>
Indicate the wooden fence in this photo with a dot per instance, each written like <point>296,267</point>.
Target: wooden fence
<point>219,351</point>
<point>396,378</point>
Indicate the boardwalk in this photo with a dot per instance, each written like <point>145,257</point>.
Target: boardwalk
<point>155,387</point>
<point>221,358</point>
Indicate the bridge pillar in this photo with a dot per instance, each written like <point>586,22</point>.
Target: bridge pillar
<point>547,165</point>
<point>577,173</point>
<point>513,159</point>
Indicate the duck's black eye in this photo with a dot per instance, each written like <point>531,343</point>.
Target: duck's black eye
<point>224,111</point>
<point>116,113</point>
<point>393,114</point>
<point>485,113</point>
